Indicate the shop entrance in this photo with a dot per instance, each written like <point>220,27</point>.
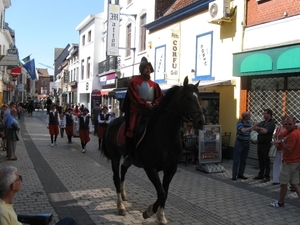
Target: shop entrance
<point>210,103</point>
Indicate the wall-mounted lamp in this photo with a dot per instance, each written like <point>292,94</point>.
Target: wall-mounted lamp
<point>193,71</point>
<point>150,44</point>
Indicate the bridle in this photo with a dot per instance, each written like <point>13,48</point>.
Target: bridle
<point>185,115</point>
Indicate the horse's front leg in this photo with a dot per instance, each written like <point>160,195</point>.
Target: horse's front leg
<point>122,187</point>
<point>168,176</point>
<point>116,178</point>
<point>160,202</point>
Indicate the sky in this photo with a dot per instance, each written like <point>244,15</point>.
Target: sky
<point>42,25</point>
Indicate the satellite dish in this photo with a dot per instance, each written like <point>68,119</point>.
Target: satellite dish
<point>213,10</point>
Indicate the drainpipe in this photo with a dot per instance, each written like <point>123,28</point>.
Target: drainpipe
<point>244,24</point>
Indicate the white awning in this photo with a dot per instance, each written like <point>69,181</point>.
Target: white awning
<point>212,83</point>
<point>105,91</point>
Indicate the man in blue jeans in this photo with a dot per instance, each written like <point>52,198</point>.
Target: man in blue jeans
<point>10,184</point>
<point>241,146</point>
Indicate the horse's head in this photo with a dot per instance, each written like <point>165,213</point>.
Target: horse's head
<point>190,102</point>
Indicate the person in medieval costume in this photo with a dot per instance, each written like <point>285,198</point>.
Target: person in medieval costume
<point>69,119</point>
<point>142,95</point>
<point>53,122</point>
<point>103,120</point>
<point>84,128</point>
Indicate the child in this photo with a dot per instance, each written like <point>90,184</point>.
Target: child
<point>62,125</point>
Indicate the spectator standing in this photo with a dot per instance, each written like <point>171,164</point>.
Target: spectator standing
<point>95,113</point>
<point>10,184</point>
<point>241,146</point>
<point>6,114</point>
<point>278,157</point>
<point>84,128</point>
<point>69,120</point>
<point>265,131</point>
<point>13,128</point>
<point>19,110</point>
<point>30,107</point>
<point>3,132</point>
<point>62,125</point>
<point>104,119</point>
<point>42,104</point>
<point>82,107</point>
<point>189,130</point>
<point>76,111</point>
<point>53,122</point>
<point>49,104</point>
<point>289,172</point>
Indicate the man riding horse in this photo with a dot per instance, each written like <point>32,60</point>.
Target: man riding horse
<point>142,95</point>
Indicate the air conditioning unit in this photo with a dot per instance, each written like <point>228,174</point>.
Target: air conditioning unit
<point>219,9</point>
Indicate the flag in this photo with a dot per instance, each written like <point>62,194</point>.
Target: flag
<point>30,68</point>
<point>26,59</point>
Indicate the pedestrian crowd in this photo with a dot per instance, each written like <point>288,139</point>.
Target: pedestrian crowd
<point>286,159</point>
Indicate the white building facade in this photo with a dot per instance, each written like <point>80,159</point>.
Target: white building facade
<point>91,52</point>
<point>73,71</point>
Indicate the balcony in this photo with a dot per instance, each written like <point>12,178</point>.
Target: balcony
<point>109,64</point>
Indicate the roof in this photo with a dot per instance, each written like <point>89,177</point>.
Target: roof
<point>43,72</point>
<point>178,12</point>
<point>178,5</point>
<point>57,52</point>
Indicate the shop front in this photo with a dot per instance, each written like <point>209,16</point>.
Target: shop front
<point>270,78</point>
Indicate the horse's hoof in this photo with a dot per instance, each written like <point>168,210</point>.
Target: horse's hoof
<point>145,215</point>
<point>162,223</point>
<point>122,212</point>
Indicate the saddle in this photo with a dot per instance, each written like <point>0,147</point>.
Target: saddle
<point>138,136</point>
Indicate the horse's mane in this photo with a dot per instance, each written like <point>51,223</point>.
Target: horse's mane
<point>164,101</point>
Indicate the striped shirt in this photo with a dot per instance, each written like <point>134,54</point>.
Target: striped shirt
<point>239,134</point>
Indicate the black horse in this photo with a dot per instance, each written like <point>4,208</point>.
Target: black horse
<point>161,147</point>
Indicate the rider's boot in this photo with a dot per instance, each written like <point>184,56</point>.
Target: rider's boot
<point>129,145</point>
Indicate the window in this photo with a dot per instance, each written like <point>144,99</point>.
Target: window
<point>142,46</point>
<point>128,40</point>
<point>82,69</point>
<point>88,67</point>
<point>72,76</point>
<point>90,36</point>
<point>83,40</point>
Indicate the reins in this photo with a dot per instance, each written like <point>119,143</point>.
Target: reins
<point>185,116</point>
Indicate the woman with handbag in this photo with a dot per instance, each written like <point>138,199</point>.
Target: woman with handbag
<point>278,157</point>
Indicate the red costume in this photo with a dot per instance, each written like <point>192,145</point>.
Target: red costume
<point>142,94</point>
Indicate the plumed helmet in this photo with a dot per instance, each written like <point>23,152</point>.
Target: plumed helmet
<point>144,63</point>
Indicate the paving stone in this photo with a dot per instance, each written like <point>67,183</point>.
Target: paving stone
<point>63,181</point>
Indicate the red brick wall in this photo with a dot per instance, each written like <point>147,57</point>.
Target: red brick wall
<point>270,10</point>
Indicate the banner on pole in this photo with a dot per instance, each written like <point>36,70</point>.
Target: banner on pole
<point>113,27</point>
